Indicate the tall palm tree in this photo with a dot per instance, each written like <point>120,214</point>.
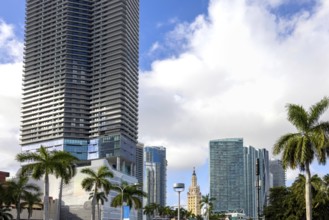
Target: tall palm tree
<point>206,202</point>
<point>31,200</point>
<point>43,163</point>
<point>66,175</point>
<point>311,140</point>
<point>101,197</point>
<point>131,196</point>
<point>18,188</point>
<point>96,181</point>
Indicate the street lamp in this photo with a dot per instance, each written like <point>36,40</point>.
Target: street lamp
<point>179,187</point>
<point>122,191</point>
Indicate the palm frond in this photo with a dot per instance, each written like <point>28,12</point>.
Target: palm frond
<point>280,144</point>
<point>298,117</point>
<point>317,110</point>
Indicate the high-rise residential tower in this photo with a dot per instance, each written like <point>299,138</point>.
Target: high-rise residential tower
<point>194,196</point>
<point>155,176</point>
<point>80,83</point>
<point>278,173</point>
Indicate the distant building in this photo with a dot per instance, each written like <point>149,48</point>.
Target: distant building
<point>251,156</point>
<point>3,176</point>
<point>233,177</point>
<point>279,174</point>
<point>227,179</point>
<point>194,196</point>
<point>139,172</point>
<point>155,177</point>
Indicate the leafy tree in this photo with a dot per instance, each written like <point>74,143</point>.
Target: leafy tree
<point>206,203</point>
<point>288,203</point>
<point>131,196</point>
<point>18,189</point>
<point>43,163</point>
<point>4,213</point>
<point>96,181</point>
<point>31,200</point>
<point>279,197</point>
<point>311,140</point>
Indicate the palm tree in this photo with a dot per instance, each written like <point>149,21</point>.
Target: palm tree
<point>96,181</point>
<point>67,174</point>
<point>151,209</point>
<point>18,188</point>
<point>30,200</point>
<point>206,203</point>
<point>4,213</point>
<point>42,163</point>
<point>130,195</point>
<point>311,140</point>
<point>100,197</point>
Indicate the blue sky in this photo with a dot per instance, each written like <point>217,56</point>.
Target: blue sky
<point>208,70</point>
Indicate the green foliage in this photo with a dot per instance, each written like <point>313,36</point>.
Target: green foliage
<point>19,189</point>
<point>309,142</point>
<point>4,213</point>
<point>207,203</point>
<point>289,202</point>
<point>31,200</point>
<point>42,163</point>
<point>96,181</point>
<point>131,196</point>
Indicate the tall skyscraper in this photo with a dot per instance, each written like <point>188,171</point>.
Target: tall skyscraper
<point>256,183</point>
<point>227,174</point>
<point>194,196</point>
<point>233,177</point>
<point>278,173</point>
<point>155,177</point>
<point>80,83</point>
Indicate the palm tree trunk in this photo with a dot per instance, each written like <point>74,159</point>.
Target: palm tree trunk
<point>46,198</point>
<point>98,212</point>
<point>59,204</point>
<point>93,204</point>
<point>29,215</point>
<point>308,192</point>
<point>18,209</point>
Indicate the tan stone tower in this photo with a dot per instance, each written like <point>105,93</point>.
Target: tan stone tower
<point>194,196</point>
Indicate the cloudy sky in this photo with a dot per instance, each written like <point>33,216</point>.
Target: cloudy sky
<point>208,70</point>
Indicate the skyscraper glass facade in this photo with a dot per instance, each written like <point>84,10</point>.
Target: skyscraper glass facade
<point>80,83</point>
<point>278,173</point>
<point>233,179</point>
<point>227,183</point>
<point>155,177</point>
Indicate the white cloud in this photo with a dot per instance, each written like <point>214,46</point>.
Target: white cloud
<point>10,47</point>
<point>237,69</point>
<point>11,70</point>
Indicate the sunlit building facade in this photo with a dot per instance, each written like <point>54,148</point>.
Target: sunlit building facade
<point>194,196</point>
